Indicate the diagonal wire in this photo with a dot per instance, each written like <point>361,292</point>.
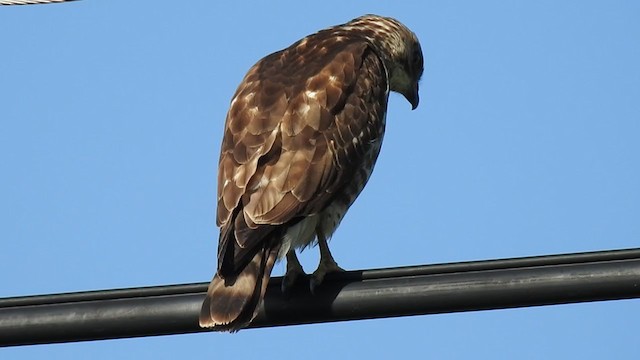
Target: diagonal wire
<point>31,2</point>
<point>365,294</point>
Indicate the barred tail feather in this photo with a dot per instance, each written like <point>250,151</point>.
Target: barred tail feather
<point>232,303</point>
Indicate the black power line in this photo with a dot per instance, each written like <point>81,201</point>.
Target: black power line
<point>367,294</point>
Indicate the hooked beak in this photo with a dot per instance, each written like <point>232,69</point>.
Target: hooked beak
<point>412,96</point>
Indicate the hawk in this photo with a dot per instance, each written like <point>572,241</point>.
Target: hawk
<point>301,138</point>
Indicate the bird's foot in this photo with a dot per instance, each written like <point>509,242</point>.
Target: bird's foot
<point>292,276</point>
<point>326,266</point>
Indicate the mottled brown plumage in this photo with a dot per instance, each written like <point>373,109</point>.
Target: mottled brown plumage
<point>302,135</point>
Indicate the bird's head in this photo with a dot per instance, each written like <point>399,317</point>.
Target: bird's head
<point>399,49</point>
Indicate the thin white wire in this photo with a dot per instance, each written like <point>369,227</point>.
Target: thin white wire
<point>29,2</point>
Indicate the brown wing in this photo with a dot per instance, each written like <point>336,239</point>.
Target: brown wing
<point>298,129</point>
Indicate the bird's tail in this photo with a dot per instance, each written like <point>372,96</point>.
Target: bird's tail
<point>231,303</point>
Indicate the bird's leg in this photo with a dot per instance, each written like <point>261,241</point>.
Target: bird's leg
<point>327,263</point>
<point>293,274</point>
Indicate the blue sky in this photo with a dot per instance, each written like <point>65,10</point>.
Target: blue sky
<point>525,143</point>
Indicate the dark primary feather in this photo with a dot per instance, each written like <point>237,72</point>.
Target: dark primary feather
<point>237,297</point>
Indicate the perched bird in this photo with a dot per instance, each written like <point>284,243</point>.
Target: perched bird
<point>301,138</point>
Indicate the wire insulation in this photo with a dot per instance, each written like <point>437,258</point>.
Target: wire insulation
<point>366,294</point>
